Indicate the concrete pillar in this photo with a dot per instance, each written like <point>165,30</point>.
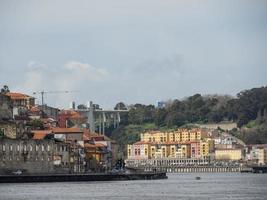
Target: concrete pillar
<point>103,123</point>
<point>90,117</point>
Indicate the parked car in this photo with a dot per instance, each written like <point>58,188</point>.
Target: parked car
<point>18,172</point>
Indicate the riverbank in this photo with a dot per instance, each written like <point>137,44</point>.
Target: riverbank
<point>81,177</point>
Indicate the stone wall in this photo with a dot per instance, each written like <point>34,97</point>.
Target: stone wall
<point>29,156</point>
<point>5,107</point>
<point>9,129</point>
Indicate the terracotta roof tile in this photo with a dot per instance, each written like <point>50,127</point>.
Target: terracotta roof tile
<point>40,134</point>
<point>16,96</point>
<point>58,130</point>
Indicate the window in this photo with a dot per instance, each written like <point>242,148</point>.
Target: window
<point>42,147</point>
<point>24,148</point>
<point>18,147</point>
<point>145,151</point>
<point>30,147</point>
<point>10,147</point>
<point>4,147</point>
<point>48,147</point>
<point>36,147</point>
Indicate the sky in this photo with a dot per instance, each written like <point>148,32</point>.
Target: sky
<point>141,51</point>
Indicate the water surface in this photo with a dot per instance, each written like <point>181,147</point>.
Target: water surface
<point>179,186</point>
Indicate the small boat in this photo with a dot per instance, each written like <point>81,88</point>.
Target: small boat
<point>198,178</point>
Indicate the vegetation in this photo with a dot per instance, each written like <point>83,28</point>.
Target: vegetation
<point>246,110</point>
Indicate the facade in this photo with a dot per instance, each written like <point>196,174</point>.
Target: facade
<point>181,143</point>
<point>6,109</point>
<point>228,154</point>
<point>21,100</point>
<point>29,156</point>
<point>70,118</point>
<point>49,111</point>
<point>8,129</point>
<point>39,156</point>
<point>180,135</point>
<point>256,154</point>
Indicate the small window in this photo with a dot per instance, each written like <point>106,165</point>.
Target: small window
<point>25,148</point>
<point>30,147</point>
<point>10,147</point>
<point>4,147</point>
<point>48,147</point>
<point>42,147</point>
<point>18,149</point>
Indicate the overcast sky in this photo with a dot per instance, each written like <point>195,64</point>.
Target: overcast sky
<point>132,51</point>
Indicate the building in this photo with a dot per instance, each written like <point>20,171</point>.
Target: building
<point>68,134</point>
<point>228,154</point>
<point>70,118</point>
<point>21,100</point>
<point>6,109</point>
<point>49,112</point>
<point>182,143</point>
<point>29,156</point>
<point>256,154</point>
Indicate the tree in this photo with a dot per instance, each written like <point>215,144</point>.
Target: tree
<point>5,89</point>
<point>120,106</point>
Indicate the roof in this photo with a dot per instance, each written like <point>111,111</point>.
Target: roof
<point>141,142</point>
<point>17,96</point>
<point>40,134</point>
<point>72,114</point>
<point>97,145</point>
<point>57,130</point>
<point>229,149</point>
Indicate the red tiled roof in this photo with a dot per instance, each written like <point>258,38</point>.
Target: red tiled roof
<point>72,114</point>
<point>17,96</point>
<point>58,130</point>
<point>97,145</point>
<point>40,134</point>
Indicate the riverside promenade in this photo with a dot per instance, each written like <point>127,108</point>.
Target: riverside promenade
<point>179,166</point>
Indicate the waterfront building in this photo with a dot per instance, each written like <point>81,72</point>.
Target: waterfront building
<point>256,154</point>
<point>228,154</point>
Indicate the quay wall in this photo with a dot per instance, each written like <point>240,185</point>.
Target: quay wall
<point>80,177</point>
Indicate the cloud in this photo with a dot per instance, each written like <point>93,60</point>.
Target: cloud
<point>86,70</point>
<point>73,75</point>
<point>169,65</point>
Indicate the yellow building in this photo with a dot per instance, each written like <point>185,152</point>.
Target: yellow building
<point>228,154</point>
<point>154,136</point>
<point>177,144</point>
<point>204,149</point>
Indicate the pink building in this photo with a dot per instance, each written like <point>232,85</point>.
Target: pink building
<point>195,150</point>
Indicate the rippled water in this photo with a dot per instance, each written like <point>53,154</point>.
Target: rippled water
<point>178,186</point>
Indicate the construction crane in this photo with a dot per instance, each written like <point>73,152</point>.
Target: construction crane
<point>52,92</point>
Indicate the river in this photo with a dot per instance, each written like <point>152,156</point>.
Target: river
<point>177,186</point>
